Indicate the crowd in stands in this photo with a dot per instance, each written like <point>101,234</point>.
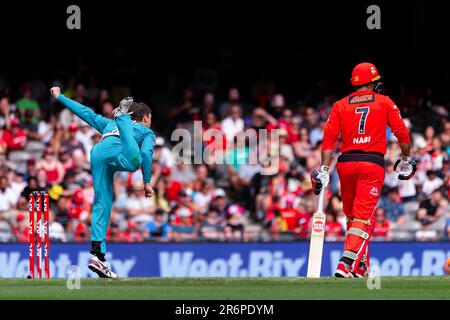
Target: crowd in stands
<point>43,147</point>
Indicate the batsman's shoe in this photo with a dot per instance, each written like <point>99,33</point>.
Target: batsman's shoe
<point>123,107</point>
<point>102,269</point>
<point>362,271</point>
<point>343,270</point>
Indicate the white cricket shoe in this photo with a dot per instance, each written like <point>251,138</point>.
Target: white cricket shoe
<point>102,269</point>
<point>123,107</point>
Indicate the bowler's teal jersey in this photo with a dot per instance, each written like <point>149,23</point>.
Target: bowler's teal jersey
<point>144,136</point>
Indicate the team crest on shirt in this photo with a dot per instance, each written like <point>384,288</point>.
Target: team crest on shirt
<point>374,191</point>
<point>361,98</point>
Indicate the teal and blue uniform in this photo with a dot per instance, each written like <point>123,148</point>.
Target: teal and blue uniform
<point>126,146</point>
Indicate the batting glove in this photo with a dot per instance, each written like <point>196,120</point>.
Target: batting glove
<point>405,167</point>
<point>320,179</point>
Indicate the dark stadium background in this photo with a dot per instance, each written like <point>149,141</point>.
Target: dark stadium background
<point>295,43</point>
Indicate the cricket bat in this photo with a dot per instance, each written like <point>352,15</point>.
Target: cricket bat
<point>317,236</point>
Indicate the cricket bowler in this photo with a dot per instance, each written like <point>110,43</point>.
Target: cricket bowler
<point>361,120</point>
<point>126,145</point>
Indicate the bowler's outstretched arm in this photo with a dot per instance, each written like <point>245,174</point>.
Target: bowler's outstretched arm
<point>96,121</point>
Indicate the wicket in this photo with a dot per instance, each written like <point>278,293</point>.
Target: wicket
<point>39,205</point>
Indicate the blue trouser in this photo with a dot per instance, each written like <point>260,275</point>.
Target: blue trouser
<point>107,157</point>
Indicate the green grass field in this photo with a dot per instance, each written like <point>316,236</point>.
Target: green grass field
<point>228,288</point>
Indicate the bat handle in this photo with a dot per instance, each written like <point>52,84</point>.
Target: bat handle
<point>321,197</point>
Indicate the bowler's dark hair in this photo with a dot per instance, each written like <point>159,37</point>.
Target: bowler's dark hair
<point>139,110</point>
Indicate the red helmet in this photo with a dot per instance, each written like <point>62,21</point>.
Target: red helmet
<point>364,73</point>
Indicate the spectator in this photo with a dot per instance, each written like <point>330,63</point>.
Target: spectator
<point>445,135</point>
<point>393,207</point>
<point>302,147</point>
<point>333,229</point>
<point>159,229</point>
<point>238,154</point>
<point>431,183</point>
<point>278,224</point>
<point>17,138</point>
<point>391,177</point>
<point>57,232</point>
<point>163,154</point>
<point>3,142</point>
<point>261,119</point>
<point>4,112</point>
<point>232,125</point>
<point>62,214</point>
<point>233,99</point>
<point>220,202</point>
<point>172,187</point>
<point>286,150</point>
<point>58,137</point>
<point>423,158</point>
<point>33,185</point>
<point>184,173</point>
<point>7,196</point>
<point>30,126</point>
<point>84,136</point>
<point>159,198</point>
<point>278,106</point>
<point>182,113</point>
<point>234,228</point>
<point>72,143</point>
<point>208,104</point>
<point>17,184</point>
<point>316,134</point>
<point>311,118</point>
<point>133,232</point>
<point>183,227</point>
<point>203,193</point>
<point>6,232</point>
<point>431,209</point>
<point>211,132</point>
<point>212,227</point>
<point>438,155</point>
<point>81,232</point>
<point>184,201</point>
<point>66,159</point>
<point>382,226</point>
<point>139,207</point>
<point>20,230</point>
<point>27,103</point>
<point>78,208</point>
<point>304,219</point>
<point>52,167</point>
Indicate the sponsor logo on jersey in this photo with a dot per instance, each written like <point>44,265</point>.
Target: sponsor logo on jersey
<point>361,98</point>
<point>374,191</point>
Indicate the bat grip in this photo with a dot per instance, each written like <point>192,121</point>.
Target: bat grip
<point>321,197</point>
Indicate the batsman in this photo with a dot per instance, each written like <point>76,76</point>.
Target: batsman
<point>126,145</point>
<point>361,120</point>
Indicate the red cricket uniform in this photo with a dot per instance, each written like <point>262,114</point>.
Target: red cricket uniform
<point>361,120</point>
